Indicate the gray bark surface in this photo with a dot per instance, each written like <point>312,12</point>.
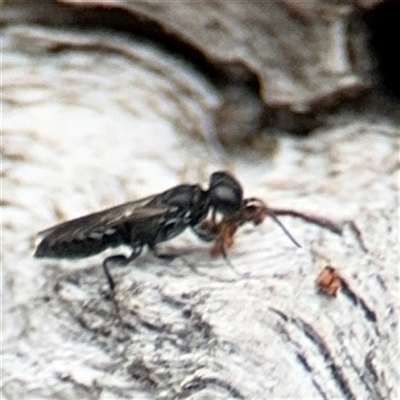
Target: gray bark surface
<point>93,119</point>
<point>282,64</point>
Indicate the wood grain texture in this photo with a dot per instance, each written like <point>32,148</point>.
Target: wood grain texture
<point>93,120</point>
<point>278,64</point>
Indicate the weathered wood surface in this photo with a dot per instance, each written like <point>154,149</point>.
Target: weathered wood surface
<point>91,120</point>
<point>291,62</point>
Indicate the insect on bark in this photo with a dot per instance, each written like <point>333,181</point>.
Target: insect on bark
<point>156,219</point>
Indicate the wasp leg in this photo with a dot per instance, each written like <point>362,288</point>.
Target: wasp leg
<point>120,260</point>
<point>207,230</point>
<point>113,259</point>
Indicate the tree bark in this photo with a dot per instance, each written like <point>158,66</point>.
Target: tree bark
<point>93,118</point>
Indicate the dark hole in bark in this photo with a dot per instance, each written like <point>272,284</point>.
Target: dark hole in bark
<point>384,27</point>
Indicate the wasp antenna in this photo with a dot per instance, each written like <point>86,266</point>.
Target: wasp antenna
<point>275,218</point>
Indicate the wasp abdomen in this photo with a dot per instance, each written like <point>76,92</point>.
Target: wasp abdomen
<point>91,245</point>
<point>72,249</point>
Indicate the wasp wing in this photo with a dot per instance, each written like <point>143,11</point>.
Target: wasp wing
<point>156,218</point>
<point>102,221</point>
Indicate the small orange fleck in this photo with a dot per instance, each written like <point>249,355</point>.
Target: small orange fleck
<point>328,281</point>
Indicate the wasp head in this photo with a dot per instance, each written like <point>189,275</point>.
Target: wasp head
<point>225,193</point>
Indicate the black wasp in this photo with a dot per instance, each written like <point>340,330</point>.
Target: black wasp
<point>155,219</point>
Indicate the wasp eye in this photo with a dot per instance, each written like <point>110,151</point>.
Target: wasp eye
<point>226,194</point>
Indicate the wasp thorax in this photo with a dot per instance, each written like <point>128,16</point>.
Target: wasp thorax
<point>225,193</point>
